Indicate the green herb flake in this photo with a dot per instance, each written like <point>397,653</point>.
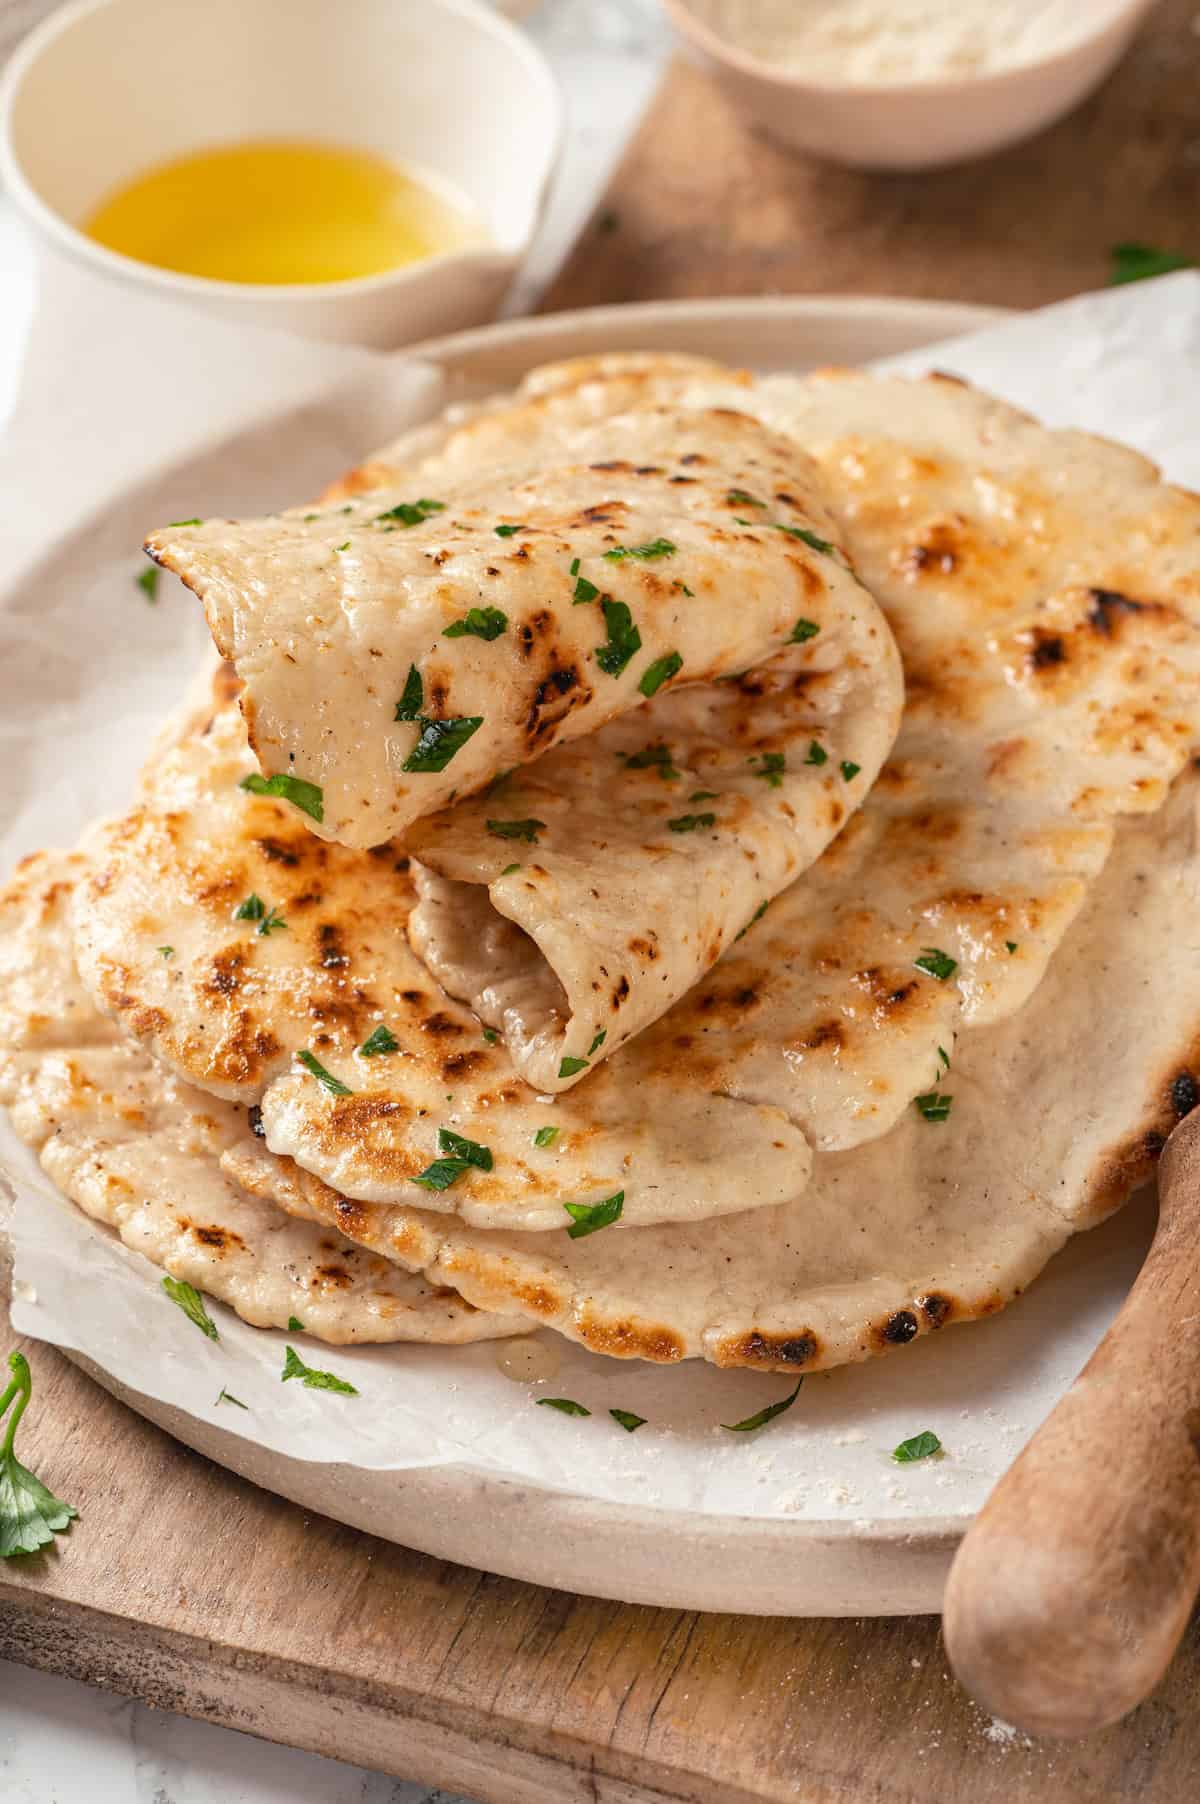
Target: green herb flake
<point>803,631</point>
<point>345,546</point>
<point>849,771</point>
<point>766,1415</point>
<point>509,869</point>
<point>491,1036</point>
<point>569,1067</point>
<point>933,1106</point>
<point>147,582</point>
<point>689,823</point>
<point>598,1042</point>
<point>816,753</point>
<point>660,672</point>
<point>739,498</point>
<point>294,1367</point>
<point>507,532</point>
<point>589,1218</point>
<point>1139,262</point>
<point>943,1058</point>
<point>379,1043</point>
<point>30,1514</point>
<point>920,1446</point>
<point>654,757</point>
<point>224,1396</point>
<point>758,914</point>
<point>771,766</point>
<point>623,638</point>
<point>574,566</point>
<point>646,554</point>
<point>439,741</point>
<point>683,589</point>
<point>308,797</point>
<point>459,1156</point>
<point>413,699</point>
<point>584,590</point>
<point>295,1325</point>
<point>411,513</point>
<point>567,1406</point>
<point>166,951</point>
<point>480,623</point>
<point>629,1422</point>
<point>1011,944</point>
<point>252,909</point>
<point>196,522</point>
<point>936,963</point>
<point>191,1302</point>
<point>326,1079</point>
<point>527,830</point>
<point>546,1136</point>
<point>703,795</point>
<point>810,539</point>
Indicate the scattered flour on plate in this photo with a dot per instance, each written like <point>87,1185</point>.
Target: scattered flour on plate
<point>891,42</point>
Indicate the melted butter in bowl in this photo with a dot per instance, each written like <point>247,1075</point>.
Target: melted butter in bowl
<point>278,211</point>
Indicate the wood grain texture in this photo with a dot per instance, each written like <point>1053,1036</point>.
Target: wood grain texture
<point>1073,1585</point>
<point>704,207</point>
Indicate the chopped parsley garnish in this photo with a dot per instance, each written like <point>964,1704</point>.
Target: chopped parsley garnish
<point>933,1106</point>
<point>440,740</point>
<point>166,951</point>
<point>660,672</point>
<point>30,1515</point>
<point>810,538</point>
<point>196,522</point>
<point>1011,944</point>
<point>147,582</point>
<point>224,1396</point>
<point>656,548</point>
<point>546,1136</point>
<point>481,623</point>
<point>944,1058</point>
<point>413,699</point>
<point>491,1036</point>
<point>294,1367</point>
<point>627,1419</point>
<point>816,753</point>
<point>308,797</point>
<point>598,1042</point>
<point>192,1303</point>
<point>766,1415</point>
<point>312,1064</point>
<point>569,1067</point>
<point>771,766</point>
<point>383,1040</point>
<point>739,498</point>
<point>509,869</point>
<point>1137,262</point>
<point>623,638</point>
<point>654,757</point>
<point>849,771</point>
<point>920,1446</point>
<point>803,631</point>
<point>589,1218</point>
<point>459,1156</point>
<point>936,963</point>
<point>703,795</point>
<point>271,922</point>
<point>295,1325</point>
<point>584,590</point>
<point>252,909</point>
<point>689,823</point>
<point>683,589</point>
<point>527,830</point>
<point>411,513</point>
<point>758,914</point>
<point>506,531</point>
<point>345,546</point>
<point>567,1405</point>
<point>574,566</point>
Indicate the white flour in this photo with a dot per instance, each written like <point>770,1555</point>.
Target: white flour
<point>889,42</point>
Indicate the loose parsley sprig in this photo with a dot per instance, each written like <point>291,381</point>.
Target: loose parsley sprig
<point>308,797</point>
<point>294,1367</point>
<point>192,1303</point>
<point>438,740</point>
<point>460,1156</point>
<point>918,1446</point>
<point>30,1514</point>
<point>763,1416</point>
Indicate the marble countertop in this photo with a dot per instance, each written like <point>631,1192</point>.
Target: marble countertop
<point>65,1743</point>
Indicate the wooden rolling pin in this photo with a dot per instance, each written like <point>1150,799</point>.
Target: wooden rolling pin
<point>1073,1586</point>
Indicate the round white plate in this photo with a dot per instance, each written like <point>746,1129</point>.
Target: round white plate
<point>810,1517</point>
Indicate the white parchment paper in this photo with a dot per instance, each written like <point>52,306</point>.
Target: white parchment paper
<point>135,413</point>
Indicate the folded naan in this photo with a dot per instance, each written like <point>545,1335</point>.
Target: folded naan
<point>1041,1126</point>
<point>140,1151</point>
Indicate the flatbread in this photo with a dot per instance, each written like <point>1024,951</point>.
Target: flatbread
<point>238,997</point>
<point>1054,1117</point>
<point>140,1151</point>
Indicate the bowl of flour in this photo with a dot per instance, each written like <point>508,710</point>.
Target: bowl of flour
<point>907,84</point>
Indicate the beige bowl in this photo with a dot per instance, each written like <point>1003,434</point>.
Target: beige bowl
<point>919,125</point>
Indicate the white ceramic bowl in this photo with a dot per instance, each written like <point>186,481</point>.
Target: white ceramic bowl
<point>104,89</point>
<point>920,125</point>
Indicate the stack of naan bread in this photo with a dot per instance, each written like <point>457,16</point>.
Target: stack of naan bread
<point>702,863</point>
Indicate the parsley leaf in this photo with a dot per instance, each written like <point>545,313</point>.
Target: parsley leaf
<point>491,1036</point>
<point>703,795</point>
<point>460,1156</point>
<point>192,1304</point>
<point>1138,262</point>
<point>771,766</point>
<point>252,909</point>
<point>224,1396</point>
<point>312,1064</point>
<point>849,771</point>
<point>527,830</point>
<point>481,623</point>
<point>546,1136</point>
<point>147,581</point>
<point>308,797</point>
<point>295,1325</point>
<point>584,590</point>
<point>944,1057</point>
<point>569,1067</point>
<point>739,498</point>
<point>440,740</point>
<point>598,1042</point>
<point>623,638</point>
<point>381,1041</point>
<point>30,1515</point>
<point>920,1446</point>
<point>810,538</point>
<point>345,546</point>
<point>660,672</point>
<point>683,589</point>
<point>567,1405</point>
<point>933,1106</point>
<point>758,914</point>
<point>294,1367</point>
<point>688,823</point>
<point>802,631</point>
<point>656,548</point>
<point>654,757</point>
<point>506,531</point>
<point>764,1415</point>
<point>629,1422</point>
<point>936,963</point>
<point>411,513</point>
<point>167,951</point>
<point>1011,945</point>
<point>509,869</point>
<point>816,753</point>
<point>589,1218</point>
<point>413,699</point>
<point>196,522</point>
